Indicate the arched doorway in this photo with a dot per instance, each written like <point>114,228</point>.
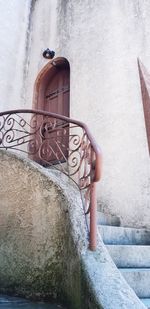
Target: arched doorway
<point>52,88</point>
<point>52,94</point>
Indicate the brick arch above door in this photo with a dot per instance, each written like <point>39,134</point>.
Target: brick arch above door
<point>52,87</point>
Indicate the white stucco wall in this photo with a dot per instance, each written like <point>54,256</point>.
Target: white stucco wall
<point>102,40</point>
<point>13,38</point>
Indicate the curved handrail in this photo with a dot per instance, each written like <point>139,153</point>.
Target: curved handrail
<point>96,148</point>
<point>43,142</point>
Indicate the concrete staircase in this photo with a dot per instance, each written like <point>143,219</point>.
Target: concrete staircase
<point>130,250</point>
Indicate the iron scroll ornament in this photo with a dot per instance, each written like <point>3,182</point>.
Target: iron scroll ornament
<point>57,142</point>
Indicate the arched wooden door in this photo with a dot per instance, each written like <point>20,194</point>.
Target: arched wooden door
<point>52,94</point>
<point>57,92</point>
<point>52,88</point>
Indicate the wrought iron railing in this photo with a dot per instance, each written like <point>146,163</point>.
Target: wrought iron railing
<point>57,141</point>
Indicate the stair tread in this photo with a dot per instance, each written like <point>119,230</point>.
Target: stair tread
<point>146,301</point>
<point>129,247</point>
<point>138,279</point>
<point>130,256</point>
<point>124,247</point>
<point>133,269</point>
<point>105,218</point>
<point>127,228</point>
<point>124,235</point>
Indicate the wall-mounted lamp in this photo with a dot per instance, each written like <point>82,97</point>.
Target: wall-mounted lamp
<point>48,54</point>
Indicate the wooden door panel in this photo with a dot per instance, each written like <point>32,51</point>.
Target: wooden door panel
<point>57,95</point>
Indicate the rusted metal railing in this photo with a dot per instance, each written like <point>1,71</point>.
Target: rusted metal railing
<point>57,141</point>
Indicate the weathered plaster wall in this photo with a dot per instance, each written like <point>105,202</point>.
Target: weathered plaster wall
<point>42,234</point>
<point>44,242</point>
<point>33,229</point>
<point>102,40</point>
<point>14,20</point>
<point>43,34</point>
<point>27,28</point>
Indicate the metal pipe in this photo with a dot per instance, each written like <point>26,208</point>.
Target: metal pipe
<point>93,218</point>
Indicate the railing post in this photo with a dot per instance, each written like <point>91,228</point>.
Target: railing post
<point>93,217</point>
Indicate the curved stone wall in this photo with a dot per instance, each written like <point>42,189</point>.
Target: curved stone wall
<point>44,242</point>
<point>33,229</point>
<point>42,233</point>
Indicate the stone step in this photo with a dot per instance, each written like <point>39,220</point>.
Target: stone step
<point>107,219</point>
<point>124,235</point>
<point>138,279</point>
<point>130,256</point>
<point>146,302</point>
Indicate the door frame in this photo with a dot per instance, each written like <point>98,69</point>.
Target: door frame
<point>42,80</point>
